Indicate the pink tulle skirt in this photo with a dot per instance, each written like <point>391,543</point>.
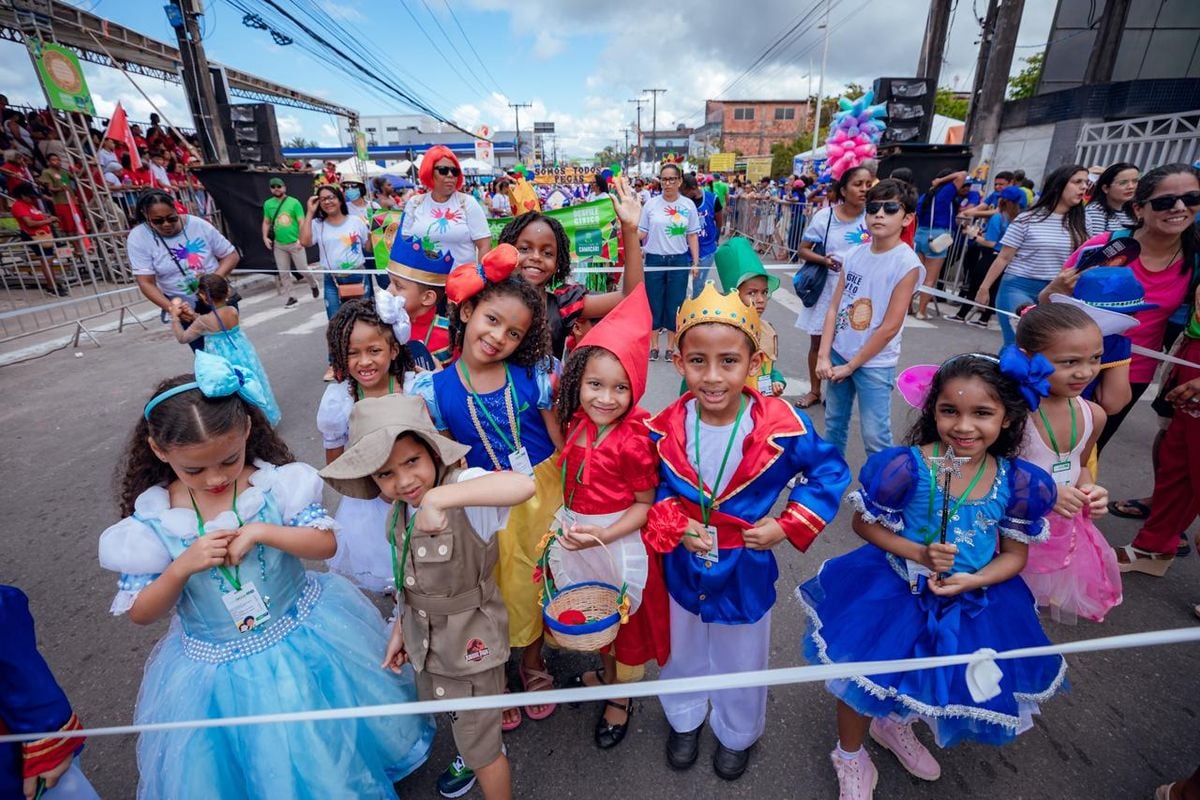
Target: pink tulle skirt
<point>1075,573</point>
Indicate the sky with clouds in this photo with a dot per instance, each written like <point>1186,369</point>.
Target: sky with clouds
<point>577,61</point>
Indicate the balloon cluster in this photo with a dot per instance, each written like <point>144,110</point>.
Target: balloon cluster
<point>673,158</point>
<point>855,131</point>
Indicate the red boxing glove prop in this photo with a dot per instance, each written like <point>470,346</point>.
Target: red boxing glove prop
<point>467,280</point>
<point>665,525</point>
<point>800,525</point>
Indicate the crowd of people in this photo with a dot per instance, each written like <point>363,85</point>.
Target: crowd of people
<point>483,430</point>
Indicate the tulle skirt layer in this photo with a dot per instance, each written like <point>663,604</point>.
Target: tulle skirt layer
<point>1075,572</point>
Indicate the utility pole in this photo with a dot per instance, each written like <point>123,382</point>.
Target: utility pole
<point>517,108</point>
<point>986,36</point>
<point>640,101</point>
<point>985,115</point>
<point>1108,40</point>
<point>937,26</point>
<point>197,81</point>
<point>654,122</point>
<point>821,80</point>
<point>625,160</point>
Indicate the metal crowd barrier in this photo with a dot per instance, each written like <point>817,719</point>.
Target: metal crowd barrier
<point>775,226</point>
<point>63,281</point>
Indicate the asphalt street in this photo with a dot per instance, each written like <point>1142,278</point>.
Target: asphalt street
<point>1128,724</point>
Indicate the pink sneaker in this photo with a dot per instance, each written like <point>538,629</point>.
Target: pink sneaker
<point>856,776</point>
<point>903,743</point>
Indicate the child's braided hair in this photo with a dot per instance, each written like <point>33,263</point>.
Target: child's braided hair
<point>337,336</point>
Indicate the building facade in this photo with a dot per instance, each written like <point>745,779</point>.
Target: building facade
<point>750,127</point>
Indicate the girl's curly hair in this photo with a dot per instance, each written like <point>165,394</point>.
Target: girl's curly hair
<point>563,246</point>
<point>337,337</point>
<point>1003,388</point>
<point>190,418</point>
<point>566,399</point>
<point>535,346</point>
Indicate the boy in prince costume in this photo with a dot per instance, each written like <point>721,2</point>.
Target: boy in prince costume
<point>712,524</point>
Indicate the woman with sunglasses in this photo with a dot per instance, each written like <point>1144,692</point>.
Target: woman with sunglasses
<point>341,238</point>
<point>1168,268</point>
<point>444,217</point>
<point>169,251</point>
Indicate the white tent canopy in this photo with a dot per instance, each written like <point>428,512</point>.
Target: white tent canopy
<point>475,166</point>
<point>352,166</point>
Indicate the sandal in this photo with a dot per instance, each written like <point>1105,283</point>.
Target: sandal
<point>1134,559</point>
<point>537,680</point>
<point>1121,508</point>
<point>807,401</point>
<point>510,725</point>
<point>608,735</point>
<point>668,354</point>
<point>579,682</point>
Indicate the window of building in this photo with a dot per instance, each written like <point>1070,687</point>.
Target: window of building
<point>785,113</point>
<point>370,130</point>
<point>392,128</point>
<point>746,113</point>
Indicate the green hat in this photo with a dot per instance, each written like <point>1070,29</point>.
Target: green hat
<point>737,263</point>
<point>275,182</point>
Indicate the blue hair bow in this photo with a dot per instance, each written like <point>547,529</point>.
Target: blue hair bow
<point>1031,373</point>
<point>216,377</point>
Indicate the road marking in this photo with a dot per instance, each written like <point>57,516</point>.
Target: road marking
<point>264,316</point>
<point>316,322</point>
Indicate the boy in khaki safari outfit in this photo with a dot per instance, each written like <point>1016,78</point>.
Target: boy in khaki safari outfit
<point>452,626</point>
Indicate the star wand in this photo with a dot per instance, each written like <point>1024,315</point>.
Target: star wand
<point>948,466</point>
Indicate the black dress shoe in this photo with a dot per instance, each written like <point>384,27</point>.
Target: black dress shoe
<point>683,748</point>
<point>607,735</point>
<point>730,764</point>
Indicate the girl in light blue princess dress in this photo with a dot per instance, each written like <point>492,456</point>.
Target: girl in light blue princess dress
<point>219,516</point>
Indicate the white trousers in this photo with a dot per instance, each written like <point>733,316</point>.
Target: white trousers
<point>699,648</point>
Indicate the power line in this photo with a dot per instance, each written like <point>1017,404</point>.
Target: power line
<point>471,45</point>
<point>433,44</point>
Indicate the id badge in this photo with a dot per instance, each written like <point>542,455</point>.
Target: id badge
<point>246,608</point>
<point>1060,471</point>
<point>764,385</point>
<point>519,461</point>
<point>569,519</point>
<point>713,555</point>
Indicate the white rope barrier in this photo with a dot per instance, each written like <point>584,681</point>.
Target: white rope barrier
<point>982,675</point>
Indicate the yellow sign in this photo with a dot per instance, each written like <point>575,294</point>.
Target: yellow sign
<point>721,162</point>
<point>758,167</point>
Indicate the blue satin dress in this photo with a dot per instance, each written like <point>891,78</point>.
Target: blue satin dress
<point>863,606</point>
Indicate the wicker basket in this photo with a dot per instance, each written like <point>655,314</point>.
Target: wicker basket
<point>600,603</point>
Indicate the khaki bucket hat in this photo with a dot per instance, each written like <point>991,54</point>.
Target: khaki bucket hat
<point>375,424</point>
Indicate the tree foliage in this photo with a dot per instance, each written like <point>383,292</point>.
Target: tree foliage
<point>299,142</point>
<point>948,104</point>
<point>1025,83</point>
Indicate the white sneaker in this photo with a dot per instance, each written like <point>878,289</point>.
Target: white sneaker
<point>857,776</point>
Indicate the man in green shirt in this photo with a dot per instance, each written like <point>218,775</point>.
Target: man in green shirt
<point>281,235</point>
<point>721,189</point>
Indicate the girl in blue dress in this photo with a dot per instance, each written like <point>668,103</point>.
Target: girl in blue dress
<point>219,516</point>
<point>223,335</point>
<point>906,595</point>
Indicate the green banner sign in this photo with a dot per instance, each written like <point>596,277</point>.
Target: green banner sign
<point>63,77</point>
<point>591,228</point>
<point>384,225</point>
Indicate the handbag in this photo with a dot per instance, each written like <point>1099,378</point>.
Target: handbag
<point>809,281</point>
<point>275,216</point>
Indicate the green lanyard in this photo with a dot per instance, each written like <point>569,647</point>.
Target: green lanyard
<point>514,420</point>
<point>398,567</point>
<point>391,387</point>
<point>578,472</point>
<point>234,578</point>
<point>1050,432</point>
<point>706,510</point>
<point>961,498</point>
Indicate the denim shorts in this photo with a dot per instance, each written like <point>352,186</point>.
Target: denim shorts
<point>922,239</point>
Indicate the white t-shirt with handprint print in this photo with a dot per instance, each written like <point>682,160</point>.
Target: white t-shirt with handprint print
<point>178,261</point>
<point>342,245</point>
<point>667,225</point>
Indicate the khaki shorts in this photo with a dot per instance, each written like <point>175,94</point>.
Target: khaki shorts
<point>476,733</point>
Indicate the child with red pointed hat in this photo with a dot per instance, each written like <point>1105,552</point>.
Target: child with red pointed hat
<point>610,471</point>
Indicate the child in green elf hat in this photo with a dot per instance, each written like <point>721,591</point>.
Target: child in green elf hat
<point>741,270</point>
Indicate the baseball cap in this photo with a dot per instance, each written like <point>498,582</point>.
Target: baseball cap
<point>275,182</point>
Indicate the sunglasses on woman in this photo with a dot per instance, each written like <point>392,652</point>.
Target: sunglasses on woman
<point>447,171</point>
<point>889,207</point>
<point>1166,202</point>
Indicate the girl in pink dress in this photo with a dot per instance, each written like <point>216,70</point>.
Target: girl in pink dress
<point>1075,572</point>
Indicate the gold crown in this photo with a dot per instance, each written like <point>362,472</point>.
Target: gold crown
<point>712,306</point>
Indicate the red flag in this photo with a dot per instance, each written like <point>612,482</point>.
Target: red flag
<point>118,130</point>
